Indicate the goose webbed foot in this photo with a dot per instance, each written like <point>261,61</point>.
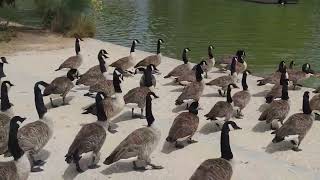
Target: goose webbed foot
<point>296,149</point>
<point>178,145</point>
<point>38,163</point>
<point>112,131</point>
<point>136,168</point>
<point>153,166</point>
<point>52,104</point>
<point>36,169</point>
<point>191,141</point>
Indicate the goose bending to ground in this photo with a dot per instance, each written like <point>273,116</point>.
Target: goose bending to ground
<point>90,138</point>
<point>112,105</point>
<point>276,90</point>
<point>136,98</point>
<point>140,143</point>
<point>34,136</point>
<point>19,168</point>
<point>194,90</point>
<point>278,109</point>
<point>73,62</point>
<point>126,62</point>
<point>182,68</point>
<point>190,76</point>
<point>225,63</point>
<point>210,61</point>
<point>222,108</point>
<point>297,124</point>
<point>184,125</point>
<point>5,116</point>
<point>242,98</point>
<point>147,79</point>
<point>96,72</point>
<point>3,61</point>
<point>297,76</point>
<point>218,168</point>
<point>61,86</point>
<point>153,59</point>
<point>224,81</point>
<point>274,78</point>
<point>107,86</point>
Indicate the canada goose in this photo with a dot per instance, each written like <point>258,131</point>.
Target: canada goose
<point>278,109</point>
<point>147,79</point>
<point>274,78</point>
<point>19,168</point>
<point>218,168</point>
<point>210,61</point>
<point>5,116</point>
<point>315,102</point>
<point>140,143</point>
<point>136,98</point>
<point>226,62</point>
<point>90,77</point>
<point>292,64</point>
<point>61,86</point>
<point>90,138</point>
<point>194,90</point>
<point>276,90</point>
<point>107,86</point>
<point>3,61</point>
<point>126,62</point>
<point>297,125</point>
<point>224,81</point>
<point>153,59</point>
<point>112,105</point>
<point>184,125</point>
<point>182,68</point>
<point>73,62</point>
<point>298,76</point>
<point>34,136</point>
<point>242,98</point>
<point>190,76</point>
<point>222,108</point>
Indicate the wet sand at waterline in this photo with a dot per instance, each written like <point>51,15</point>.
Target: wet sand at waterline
<point>255,157</point>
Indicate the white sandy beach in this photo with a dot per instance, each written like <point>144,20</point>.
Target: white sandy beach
<point>255,157</point>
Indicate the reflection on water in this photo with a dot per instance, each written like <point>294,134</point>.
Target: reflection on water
<point>268,33</point>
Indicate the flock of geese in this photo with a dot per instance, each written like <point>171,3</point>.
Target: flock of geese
<point>23,143</point>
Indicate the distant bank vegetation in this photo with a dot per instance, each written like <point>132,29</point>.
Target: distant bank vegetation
<point>63,16</point>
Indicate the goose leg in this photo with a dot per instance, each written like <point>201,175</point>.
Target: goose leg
<point>191,141</point>
<point>53,105</point>
<point>220,92</point>
<point>95,160</point>
<point>178,145</point>
<point>36,163</point>
<point>142,117</point>
<point>296,145</point>
<point>76,159</point>
<point>132,112</point>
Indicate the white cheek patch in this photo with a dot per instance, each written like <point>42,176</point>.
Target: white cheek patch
<point>117,72</point>
<point>287,75</point>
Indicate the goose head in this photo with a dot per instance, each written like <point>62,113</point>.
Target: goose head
<point>225,148</point>
<point>210,49</point>
<point>38,97</point>
<point>240,56</point>
<point>160,41</point>
<point>101,115</point>
<point>184,55</point>
<point>5,102</point>
<point>194,107</point>
<point>4,60</point>
<point>117,80</point>
<point>307,68</point>
<point>292,64</point>
<point>103,53</point>
<point>73,74</point>
<point>199,71</point>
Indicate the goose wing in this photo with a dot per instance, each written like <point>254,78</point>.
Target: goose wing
<point>221,81</point>
<point>58,86</point>
<point>179,70</point>
<point>8,171</point>
<point>213,169</point>
<point>103,85</point>
<point>241,99</point>
<point>191,91</point>
<point>72,62</point>
<point>185,124</point>
<point>153,59</point>
<point>121,62</point>
<point>136,95</point>
<point>315,102</point>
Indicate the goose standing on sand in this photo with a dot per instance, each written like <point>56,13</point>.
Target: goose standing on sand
<point>182,68</point>
<point>184,125</point>
<point>126,62</point>
<point>297,76</point>
<point>194,90</point>
<point>222,108</point>
<point>276,90</point>
<point>225,63</point>
<point>112,106</point>
<point>274,77</point>
<point>108,86</point>
<point>96,72</point>
<point>218,168</point>
<point>242,98</point>
<point>3,61</point>
<point>210,61</point>
<point>61,86</point>
<point>147,79</point>
<point>224,81</point>
<point>277,109</point>
<point>140,143</point>
<point>34,136</point>
<point>153,59</point>
<point>5,116</point>
<point>19,168</point>
<point>136,98</point>
<point>90,138</point>
<point>297,124</point>
<point>73,62</point>
<point>190,76</point>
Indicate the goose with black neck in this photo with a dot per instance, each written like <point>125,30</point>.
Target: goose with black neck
<point>3,61</point>
<point>274,78</point>
<point>148,79</point>
<point>90,138</point>
<point>140,143</point>
<point>182,68</point>
<point>190,76</point>
<point>153,59</point>
<point>218,168</point>
<point>210,61</point>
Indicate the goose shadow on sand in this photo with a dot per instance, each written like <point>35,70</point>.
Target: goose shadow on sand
<point>263,107</point>
<point>119,167</point>
<point>126,116</point>
<point>212,95</point>
<point>210,127</point>
<point>168,148</point>
<point>261,127</point>
<point>281,146</point>
<point>179,108</point>
<point>71,173</point>
<point>58,102</point>
<point>42,155</point>
<point>177,89</point>
<point>261,93</point>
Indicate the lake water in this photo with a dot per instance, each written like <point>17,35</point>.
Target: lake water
<point>268,33</point>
